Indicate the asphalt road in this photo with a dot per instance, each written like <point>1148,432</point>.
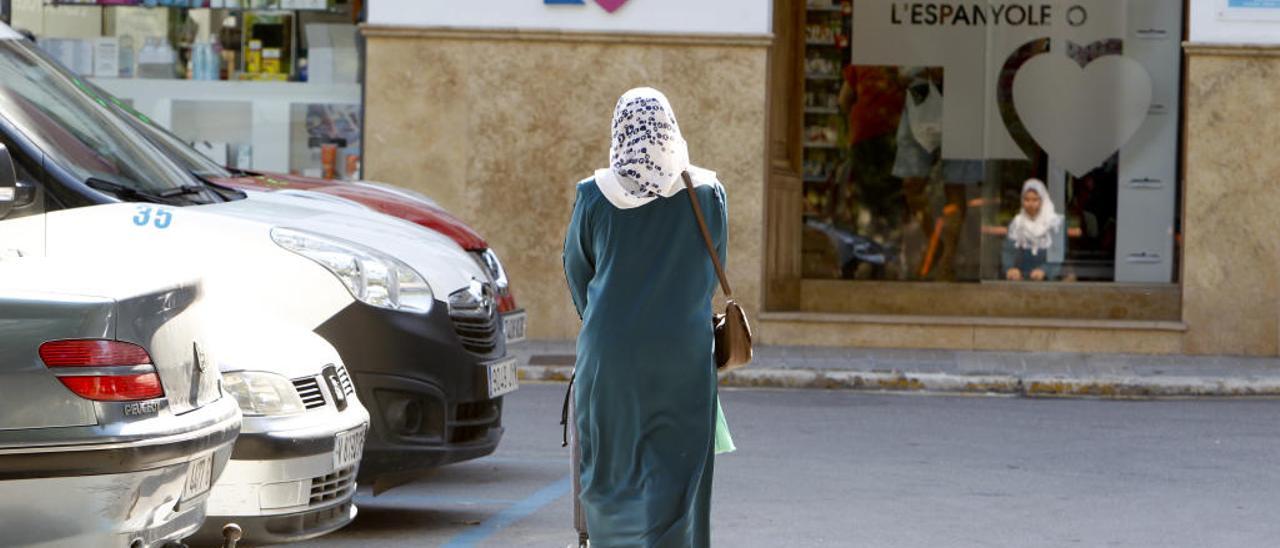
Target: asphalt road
<point>819,468</point>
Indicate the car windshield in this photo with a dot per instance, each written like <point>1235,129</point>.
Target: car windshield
<point>77,130</point>
<point>186,157</point>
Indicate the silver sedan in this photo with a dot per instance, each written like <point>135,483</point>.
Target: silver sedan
<point>113,424</point>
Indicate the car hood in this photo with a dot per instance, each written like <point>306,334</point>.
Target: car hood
<point>379,199</point>
<point>251,345</point>
<point>444,264</point>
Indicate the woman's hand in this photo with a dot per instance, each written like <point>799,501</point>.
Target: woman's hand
<point>1037,275</point>
<point>1013,275</point>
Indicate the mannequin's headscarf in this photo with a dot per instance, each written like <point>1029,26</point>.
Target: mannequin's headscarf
<point>1035,233</point>
<point>647,153</point>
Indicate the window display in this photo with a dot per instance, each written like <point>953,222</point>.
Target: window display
<point>232,78</point>
<point>956,124</point>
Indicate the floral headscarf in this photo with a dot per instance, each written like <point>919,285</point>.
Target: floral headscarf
<point>647,153</point>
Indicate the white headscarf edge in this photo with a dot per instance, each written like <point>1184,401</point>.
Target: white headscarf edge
<point>612,189</point>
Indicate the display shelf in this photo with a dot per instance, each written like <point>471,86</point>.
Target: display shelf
<point>821,110</point>
<point>825,9</point>
<point>817,179</point>
<point>819,145</point>
<point>821,77</point>
<point>269,106</point>
<point>827,43</point>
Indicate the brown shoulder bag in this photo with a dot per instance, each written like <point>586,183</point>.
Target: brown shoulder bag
<point>733,332</point>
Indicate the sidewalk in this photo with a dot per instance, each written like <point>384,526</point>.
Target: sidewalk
<point>1044,374</point>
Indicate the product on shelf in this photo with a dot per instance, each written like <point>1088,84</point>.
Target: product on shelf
<point>156,59</point>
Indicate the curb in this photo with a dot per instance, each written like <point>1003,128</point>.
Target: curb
<point>1034,386</point>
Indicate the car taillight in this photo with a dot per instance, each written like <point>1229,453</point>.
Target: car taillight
<point>103,370</point>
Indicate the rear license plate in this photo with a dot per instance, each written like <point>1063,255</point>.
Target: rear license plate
<point>347,448</point>
<point>199,476</point>
<point>502,378</point>
<point>513,326</point>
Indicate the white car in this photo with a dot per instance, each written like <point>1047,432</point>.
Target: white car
<point>293,473</point>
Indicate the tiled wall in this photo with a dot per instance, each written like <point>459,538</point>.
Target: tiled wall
<point>498,127</point>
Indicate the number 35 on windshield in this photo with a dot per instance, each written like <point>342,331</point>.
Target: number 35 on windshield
<point>155,216</point>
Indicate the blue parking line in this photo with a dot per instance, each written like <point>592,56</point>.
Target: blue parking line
<point>514,513</point>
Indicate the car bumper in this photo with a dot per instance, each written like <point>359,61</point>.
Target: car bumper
<point>283,485</point>
<point>425,386</point>
<point>114,494</point>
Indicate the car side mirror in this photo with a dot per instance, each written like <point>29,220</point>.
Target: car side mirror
<point>8,183</point>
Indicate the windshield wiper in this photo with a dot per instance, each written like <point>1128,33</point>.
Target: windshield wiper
<point>181,191</point>
<point>127,192</point>
<point>225,192</point>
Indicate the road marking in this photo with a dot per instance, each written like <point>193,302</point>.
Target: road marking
<point>514,513</point>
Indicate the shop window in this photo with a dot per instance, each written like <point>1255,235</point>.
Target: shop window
<point>991,142</point>
<point>224,75</point>
<point>325,140</point>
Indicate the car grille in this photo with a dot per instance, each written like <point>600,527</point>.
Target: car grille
<point>331,487</point>
<point>309,390</point>
<point>472,421</point>
<point>312,396</point>
<point>479,334</point>
<point>345,380</point>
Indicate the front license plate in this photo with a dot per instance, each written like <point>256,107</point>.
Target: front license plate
<point>502,378</point>
<point>199,476</point>
<point>347,448</point>
<point>513,326</point>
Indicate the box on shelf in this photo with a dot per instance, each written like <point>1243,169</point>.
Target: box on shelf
<point>74,53</point>
<point>106,57</point>
<point>331,53</point>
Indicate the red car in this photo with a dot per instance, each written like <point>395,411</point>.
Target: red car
<point>397,202</point>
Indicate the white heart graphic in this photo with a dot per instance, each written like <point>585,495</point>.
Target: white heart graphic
<point>1081,116</point>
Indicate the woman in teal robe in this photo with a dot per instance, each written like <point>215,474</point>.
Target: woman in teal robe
<point>645,381</point>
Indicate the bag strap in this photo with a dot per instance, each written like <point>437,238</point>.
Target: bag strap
<point>706,236</point>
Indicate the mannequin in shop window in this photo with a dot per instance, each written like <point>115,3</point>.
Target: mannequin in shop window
<point>1033,232</point>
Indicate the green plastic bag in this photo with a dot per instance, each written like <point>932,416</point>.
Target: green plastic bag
<point>724,441</point>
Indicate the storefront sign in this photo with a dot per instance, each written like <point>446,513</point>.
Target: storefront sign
<point>1249,10</point>
<point>976,14</point>
<point>703,17</point>
<point>1254,4</point>
<point>608,5</point>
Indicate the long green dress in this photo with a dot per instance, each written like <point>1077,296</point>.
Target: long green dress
<point>645,387</point>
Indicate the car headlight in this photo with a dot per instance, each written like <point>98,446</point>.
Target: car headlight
<point>373,277</point>
<point>261,393</point>
<point>489,262</point>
